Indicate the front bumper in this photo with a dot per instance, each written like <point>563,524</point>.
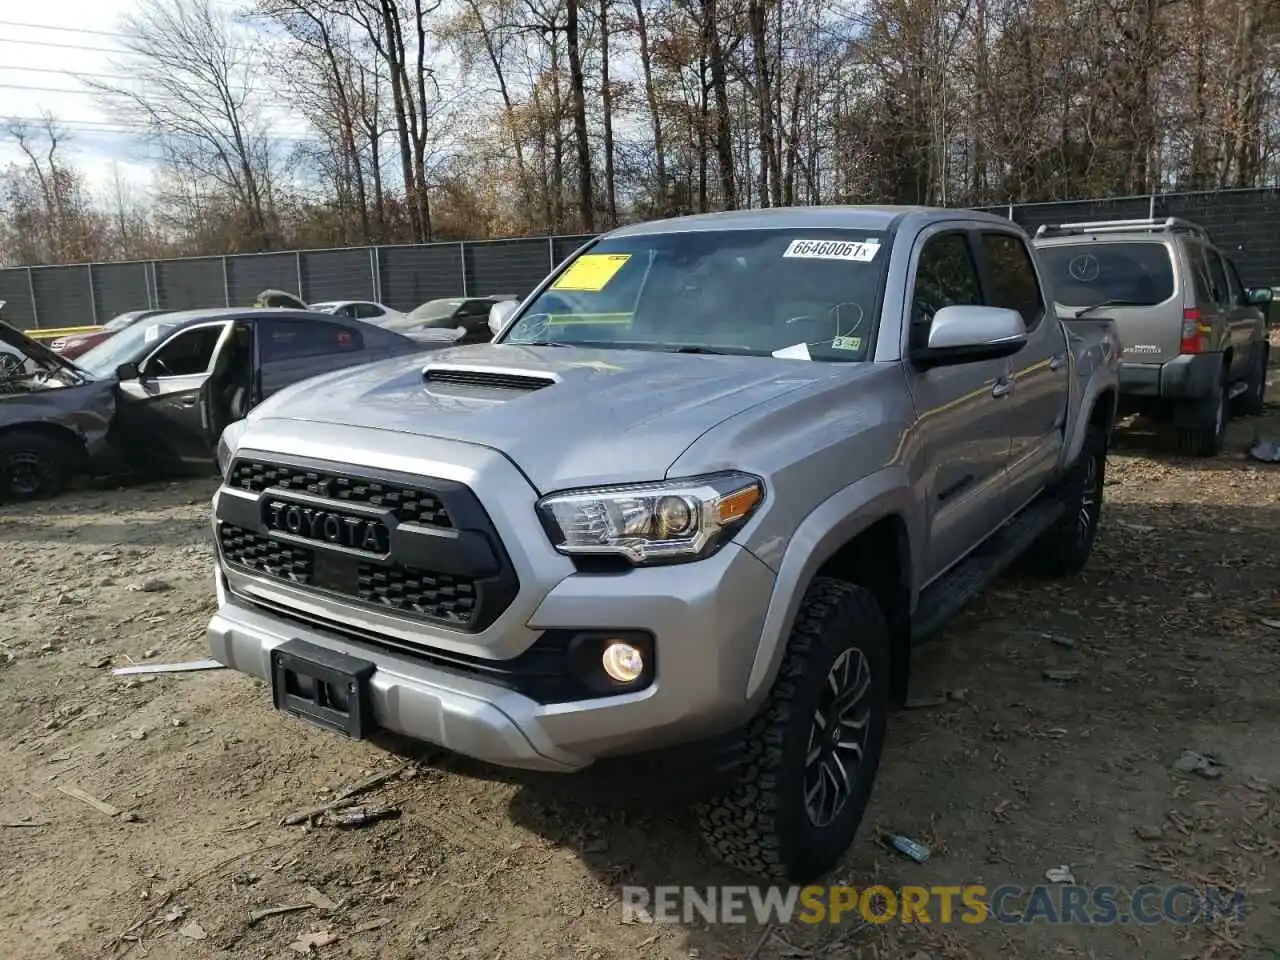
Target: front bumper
<point>706,619</point>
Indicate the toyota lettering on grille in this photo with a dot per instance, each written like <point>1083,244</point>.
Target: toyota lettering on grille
<point>328,526</point>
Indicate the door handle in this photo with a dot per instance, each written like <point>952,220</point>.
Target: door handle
<point>185,402</point>
<point>1003,388</point>
<point>1058,362</point>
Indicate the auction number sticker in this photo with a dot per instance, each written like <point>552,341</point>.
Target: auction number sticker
<point>856,251</point>
<point>846,343</point>
<point>591,272</point>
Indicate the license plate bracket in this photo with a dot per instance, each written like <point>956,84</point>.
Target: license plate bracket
<point>325,687</point>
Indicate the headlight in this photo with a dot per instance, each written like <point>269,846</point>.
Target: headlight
<point>671,521</point>
<point>227,444</point>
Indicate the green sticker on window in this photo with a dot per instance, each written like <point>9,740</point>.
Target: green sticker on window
<point>846,343</point>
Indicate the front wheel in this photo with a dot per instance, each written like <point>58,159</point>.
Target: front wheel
<point>814,748</point>
<point>32,466</point>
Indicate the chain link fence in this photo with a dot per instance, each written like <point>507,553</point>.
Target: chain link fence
<point>1244,223</point>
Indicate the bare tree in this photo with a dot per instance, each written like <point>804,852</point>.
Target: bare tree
<point>192,85</point>
<point>49,216</point>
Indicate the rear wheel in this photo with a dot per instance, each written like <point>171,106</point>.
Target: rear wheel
<point>1063,549</point>
<point>1252,402</point>
<point>814,748</point>
<point>32,466</point>
<point>1209,430</point>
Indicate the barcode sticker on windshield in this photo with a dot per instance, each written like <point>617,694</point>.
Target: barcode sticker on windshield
<point>856,251</point>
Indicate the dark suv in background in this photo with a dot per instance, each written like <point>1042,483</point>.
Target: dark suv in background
<point>1195,338</point>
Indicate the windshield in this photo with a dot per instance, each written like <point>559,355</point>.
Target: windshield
<point>327,307</point>
<point>1138,273</point>
<point>101,361</point>
<point>798,293</point>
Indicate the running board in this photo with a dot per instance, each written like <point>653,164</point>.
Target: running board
<point>944,598</point>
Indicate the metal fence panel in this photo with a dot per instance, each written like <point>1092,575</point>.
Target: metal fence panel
<point>507,266</point>
<point>337,275</point>
<point>563,247</point>
<point>1245,225</point>
<point>413,275</point>
<point>16,294</point>
<point>64,297</point>
<point>248,274</point>
<point>119,288</point>
<point>188,284</point>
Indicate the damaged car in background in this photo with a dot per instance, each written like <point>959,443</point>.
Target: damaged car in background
<point>54,417</point>
<point>155,397</point>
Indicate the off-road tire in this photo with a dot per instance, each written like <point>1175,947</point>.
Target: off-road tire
<point>32,466</point>
<point>1063,549</point>
<point>1252,402</point>
<point>1206,438</point>
<point>760,824</point>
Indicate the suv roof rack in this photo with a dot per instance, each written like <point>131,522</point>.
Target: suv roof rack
<point>1148,224</point>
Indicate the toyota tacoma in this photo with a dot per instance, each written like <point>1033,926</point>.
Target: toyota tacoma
<point>708,485</point>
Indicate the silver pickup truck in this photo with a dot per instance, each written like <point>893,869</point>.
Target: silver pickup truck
<point>707,487</point>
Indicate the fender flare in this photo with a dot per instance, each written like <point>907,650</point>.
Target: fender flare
<point>1093,394</point>
<point>831,525</point>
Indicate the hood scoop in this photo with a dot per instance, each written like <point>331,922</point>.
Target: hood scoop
<point>486,378</point>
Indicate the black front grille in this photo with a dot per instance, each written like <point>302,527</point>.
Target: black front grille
<point>409,505</point>
<point>435,596</point>
<point>456,573</point>
<point>438,596</point>
<point>261,555</point>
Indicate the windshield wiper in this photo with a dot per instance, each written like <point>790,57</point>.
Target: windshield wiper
<point>1114,302</point>
<point>701,348</point>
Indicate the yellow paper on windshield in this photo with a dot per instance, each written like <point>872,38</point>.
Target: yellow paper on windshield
<point>591,272</point>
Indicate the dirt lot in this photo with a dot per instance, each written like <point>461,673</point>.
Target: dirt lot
<point>1174,629</point>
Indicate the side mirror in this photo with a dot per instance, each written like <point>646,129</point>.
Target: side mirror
<point>499,314</point>
<point>128,371</point>
<point>966,334</point>
<point>1259,296</point>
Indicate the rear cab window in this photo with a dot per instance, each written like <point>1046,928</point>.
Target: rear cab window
<point>1137,273</point>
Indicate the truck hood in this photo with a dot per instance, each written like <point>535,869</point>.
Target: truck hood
<point>566,416</point>
<point>37,351</point>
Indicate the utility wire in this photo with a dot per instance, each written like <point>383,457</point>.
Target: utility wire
<point>130,95</point>
<point>61,29</point>
<point>72,46</point>
<point>109,127</point>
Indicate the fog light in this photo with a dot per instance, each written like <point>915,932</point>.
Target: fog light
<point>622,662</point>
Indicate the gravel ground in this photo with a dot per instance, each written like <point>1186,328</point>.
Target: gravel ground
<point>1174,630</point>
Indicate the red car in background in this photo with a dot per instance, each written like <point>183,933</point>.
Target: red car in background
<point>75,344</point>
